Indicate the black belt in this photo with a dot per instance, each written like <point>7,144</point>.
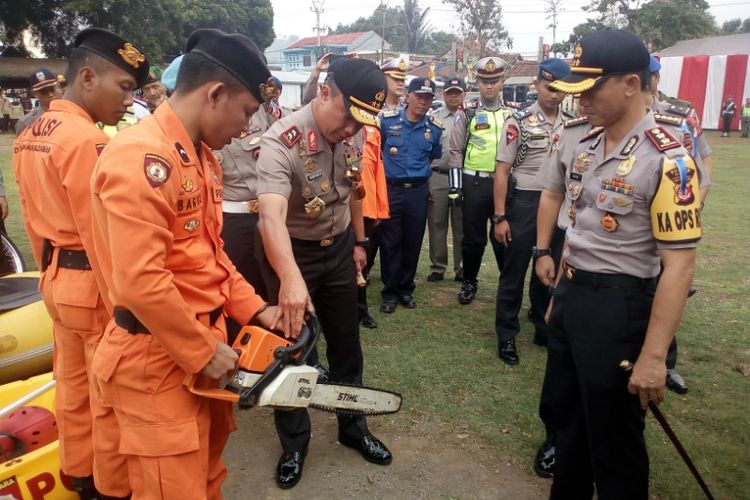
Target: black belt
<point>127,320</point>
<point>325,242</point>
<point>602,280</point>
<point>405,183</point>
<point>73,259</point>
<point>439,171</point>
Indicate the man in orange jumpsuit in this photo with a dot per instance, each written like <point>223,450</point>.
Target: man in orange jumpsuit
<point>156,207</point>
<point>53,159</point>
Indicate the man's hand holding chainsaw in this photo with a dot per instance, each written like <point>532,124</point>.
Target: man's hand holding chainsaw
<point>225,358</point>
<point>294,299</point>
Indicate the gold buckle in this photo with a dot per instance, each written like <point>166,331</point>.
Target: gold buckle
<point>569,272</point>
<point>326,242</point>
<point>253,206</point>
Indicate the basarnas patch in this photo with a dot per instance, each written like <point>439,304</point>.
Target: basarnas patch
<point>157,169</point>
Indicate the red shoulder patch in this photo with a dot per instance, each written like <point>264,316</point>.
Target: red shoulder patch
<point>157,170</point>
<point>291,136</point>
<point>99,149</point>
<point>662,139</point>
<point>312,141</point>
<point>511,134</point>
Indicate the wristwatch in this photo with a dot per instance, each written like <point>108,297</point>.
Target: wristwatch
<point>497,218</point>
<point>540,252</point>
<point>363,243</point>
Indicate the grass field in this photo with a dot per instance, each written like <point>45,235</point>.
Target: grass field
<point>442,356</point>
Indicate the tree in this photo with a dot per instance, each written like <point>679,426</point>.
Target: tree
<point>253,18</point>
<point>481,23</point>
<point>735,26</point>
<point>438,43</point>
<point>415,22</point>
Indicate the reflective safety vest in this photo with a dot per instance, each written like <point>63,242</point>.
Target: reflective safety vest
<point>745,112</point>
<point>483,138</point>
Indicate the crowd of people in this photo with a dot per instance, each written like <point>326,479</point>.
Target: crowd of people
<point>162,227</point>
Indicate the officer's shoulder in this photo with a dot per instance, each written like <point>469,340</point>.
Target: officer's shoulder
<point>522,114</point>
<point>436,121</point>
<point>676,102</point>
<point>594,132</point>
<point>668,119</point>
<point>389,113</point>
<point>574,122</point>
<point>567,115</point>
<point>664,142</point>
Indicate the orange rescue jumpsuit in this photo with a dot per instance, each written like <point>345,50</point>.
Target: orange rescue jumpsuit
<point>157,217</point>
<point>375,202</point>
<point>53,159</point>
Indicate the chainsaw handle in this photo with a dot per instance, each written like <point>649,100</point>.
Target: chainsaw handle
<point>307,340</point>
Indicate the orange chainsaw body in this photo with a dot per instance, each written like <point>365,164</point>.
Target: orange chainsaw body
<point>256,346</point>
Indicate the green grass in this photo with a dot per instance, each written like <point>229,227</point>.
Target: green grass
<point>442,356</point>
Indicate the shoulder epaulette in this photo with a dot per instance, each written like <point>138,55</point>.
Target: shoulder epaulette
<point>390,113</point>
<point>436,121</point>
<point>679,110</point>
<point>662,139</point>
<point>672,120</point>
<point>592,133</point>
<point>291,136</point>
<point>576,121</point>
<point>567,115</point>
<point>473,104</point>
<point>522,114</point>
<point>511,104</point>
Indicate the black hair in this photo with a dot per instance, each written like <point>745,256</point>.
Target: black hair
<point>80,58</point>
<point>196,70</point>
<point>645,76</point>
<point>331,84</point>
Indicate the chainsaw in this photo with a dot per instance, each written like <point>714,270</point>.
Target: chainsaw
<point>273,372</point>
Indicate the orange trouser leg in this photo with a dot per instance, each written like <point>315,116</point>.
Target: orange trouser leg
<point>89,436</point>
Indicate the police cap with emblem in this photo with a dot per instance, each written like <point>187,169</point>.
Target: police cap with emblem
<point>600,54</point>
<point>553,69</point>
<point>422,86</point>
<point>363,87</point>
<point>454,84</point>
<point>395,68</point>
<point>490,68</point>
<point>41,79</point>
<point>116,50</point>
<point>236,54</point>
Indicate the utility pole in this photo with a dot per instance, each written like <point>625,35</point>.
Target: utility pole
<point>383,6</point>
<point>318,9</point>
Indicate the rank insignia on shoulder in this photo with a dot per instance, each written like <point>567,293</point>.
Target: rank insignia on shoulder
<point>592,133</point>
<point>473,104</point>
<point>520,115</point>
<point>576,121</point>
<point>662,139</point>
<point>157,169</point>
<point>436,121</point>
<point>568,116</point>
<point>390,113</point>
<point>679,110</point>
<point>672,120</point>
<point>511,134</point>
<point>181,151</point>
<point>291,136</point>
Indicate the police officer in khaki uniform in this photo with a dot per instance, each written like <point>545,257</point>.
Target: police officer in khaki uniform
<point>441,210</point>
<point>313,234</point>
<point>527,139</point>
<point>474,142</point>
<point>634,203</point>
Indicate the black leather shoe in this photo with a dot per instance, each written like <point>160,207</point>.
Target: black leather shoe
<point>289,469</point>
<point>370,447</point>
<point>435,276</point>
<point>407,301</point>
<point>467,292</point>
<point>459,276</point>
<point>388,306</point>
<point>675,382</point>
<point>508,352</point>
<point>545,460</point>
<point>368,322</point>
<point>323,375</point>
<point>692,290</point>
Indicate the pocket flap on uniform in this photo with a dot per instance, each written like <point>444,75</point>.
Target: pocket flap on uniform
<point>159,440</point>
<point>75,287</point>
<point>103,367</point>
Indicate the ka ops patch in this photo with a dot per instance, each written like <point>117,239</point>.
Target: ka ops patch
<point>675,208</point>
<point>157,169</point>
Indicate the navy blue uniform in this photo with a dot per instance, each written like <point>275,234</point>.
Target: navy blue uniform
<point>408,149</point>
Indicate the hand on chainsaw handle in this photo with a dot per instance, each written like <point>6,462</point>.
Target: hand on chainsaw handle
<point>294,302</point>
<point>268,317</point>
<point>223,362</point>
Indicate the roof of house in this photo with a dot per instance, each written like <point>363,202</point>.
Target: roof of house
<point>341,39</point>
<point>711,46</point>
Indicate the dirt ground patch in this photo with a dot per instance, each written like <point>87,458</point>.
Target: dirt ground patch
<point>425,465</point>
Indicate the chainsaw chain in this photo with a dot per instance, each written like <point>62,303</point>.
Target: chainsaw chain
<point>340,411</point>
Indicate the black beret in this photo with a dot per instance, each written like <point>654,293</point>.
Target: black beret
<point>602,53</point>
<point>116,50</point>
<point>238,55</point>
<point>363,85</point>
